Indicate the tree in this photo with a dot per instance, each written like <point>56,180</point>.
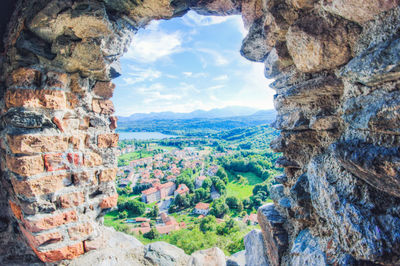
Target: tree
<point>154,212</point>
<point>207,183</point>
<point>219,208</point>
<point>208,223</point>
<point>134,207</point>
<point>200,194</point>
<point>152,234</point>
<point>123,215</point>
<point>232,202</point>
<point>247,203</point>
<point>221,173</point>
<point>220,187</point>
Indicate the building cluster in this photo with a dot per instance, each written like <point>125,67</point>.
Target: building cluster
<point>164,226</point>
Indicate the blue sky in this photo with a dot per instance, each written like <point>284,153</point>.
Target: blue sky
<point>189,63</point>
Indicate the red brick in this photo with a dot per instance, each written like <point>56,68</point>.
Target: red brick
<point>71,199</point>
<point>50,222</point>
<point>80,231</point>
<point>55,162</point>
<point>71,123</point>
<point>103,107</point>
<point>58,123</point>
<point>108,175</point>
<point>41,239</point>
<point>23,77</point>
<point>50,99</point>
<point>109,202</point>
<point>68,253</point>
<point>15,209</point>
<point>107,140</point>
<point>57,80</point>
<point>104,89</point>
<point>37,143</point>
<point>40,186</point>
<point>92,159</point>
<point>113,124</point>
<point>25,165</point>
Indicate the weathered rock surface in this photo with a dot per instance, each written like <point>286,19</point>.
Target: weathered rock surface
<point>306,251</point>
<point>212,257</point>
<point>274,234</point>
<point>237,259</point>
<point>255,249</point>
<point>335,65</point>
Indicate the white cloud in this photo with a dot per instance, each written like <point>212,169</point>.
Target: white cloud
<point>193,19</point>
<point>150,46</point>
<point>141,74</point>
<point>218,58</point>
<point>216,87</point>
<point>221,78</point>
<point>195,75</point>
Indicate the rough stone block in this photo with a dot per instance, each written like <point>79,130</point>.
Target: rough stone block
<point>92,159</point>
<point>56,162</point>
<point>113,122</point>
<point>71,199</point>
<point>24,77</point>
<point>307,251</point>
<point>50,222</point>
<point>108,175</point>
<point>103,107</point>
<point>255,249</point>
<point>68,253</point>
<point>41,239</point>
<point>80,231</point>
<point>274,234</point>
<point>107,140</point>
<point>25,165</point>
<point>57,80</point>
<point>251,11</point>
<point>104,89</point>
<point>37,143</point>
<point>40,186</point>
<point>50,99</point>
<point>358,11</point>
<point>109,202</point>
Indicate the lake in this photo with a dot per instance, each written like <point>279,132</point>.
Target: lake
<point>144,135</point>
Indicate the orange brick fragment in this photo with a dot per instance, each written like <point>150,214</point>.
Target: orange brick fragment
<point>103,107</point>
<point>80,231</point>
<point>109,202</point>
<point>71,199</point>
<point>15,209</point>
<point>104,89</point>
<point>50,99</point>
<point>51,221</point>
<point>41,239</point>
<point>68,252</point>
<point>24,77</point>
<point>25,165</point>
<point>37,143</point>
<point>108,175</point>
<point>40,186</point>
<point>107,140</point>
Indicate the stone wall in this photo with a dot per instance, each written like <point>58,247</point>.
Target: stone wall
<point>335,65</point>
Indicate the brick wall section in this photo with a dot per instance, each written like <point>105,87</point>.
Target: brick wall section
<point>56,170</point>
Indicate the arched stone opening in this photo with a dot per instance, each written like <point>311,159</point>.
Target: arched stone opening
<point>339,124</point>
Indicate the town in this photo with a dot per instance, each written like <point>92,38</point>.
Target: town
<point>177,187</point>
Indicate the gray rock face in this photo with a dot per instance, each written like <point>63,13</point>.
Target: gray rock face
<point>377,65</point>
<point>274,234</point>
<point>237,259</point>
<point>306,251</point>
<point>162,253</point>
<point>255,249</point>
<point>212,257</point>
<point>254,46</point>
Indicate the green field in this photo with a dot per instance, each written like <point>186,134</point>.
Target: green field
<point>124,159</point>
<point>242,191</point>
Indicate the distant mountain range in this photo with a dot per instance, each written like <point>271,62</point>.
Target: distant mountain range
<point>196,123</point>
<point>230,111</point>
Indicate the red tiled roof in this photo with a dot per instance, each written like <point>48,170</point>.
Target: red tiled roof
<point>145,224</point>
<point>202,206</point>
<point>182,188</point>
<point>202,177</point>
<point>149,191</point>
<point>253,217</point>
<point>165,229</point>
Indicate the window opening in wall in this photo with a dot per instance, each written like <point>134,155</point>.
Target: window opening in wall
<point>194,123</point>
